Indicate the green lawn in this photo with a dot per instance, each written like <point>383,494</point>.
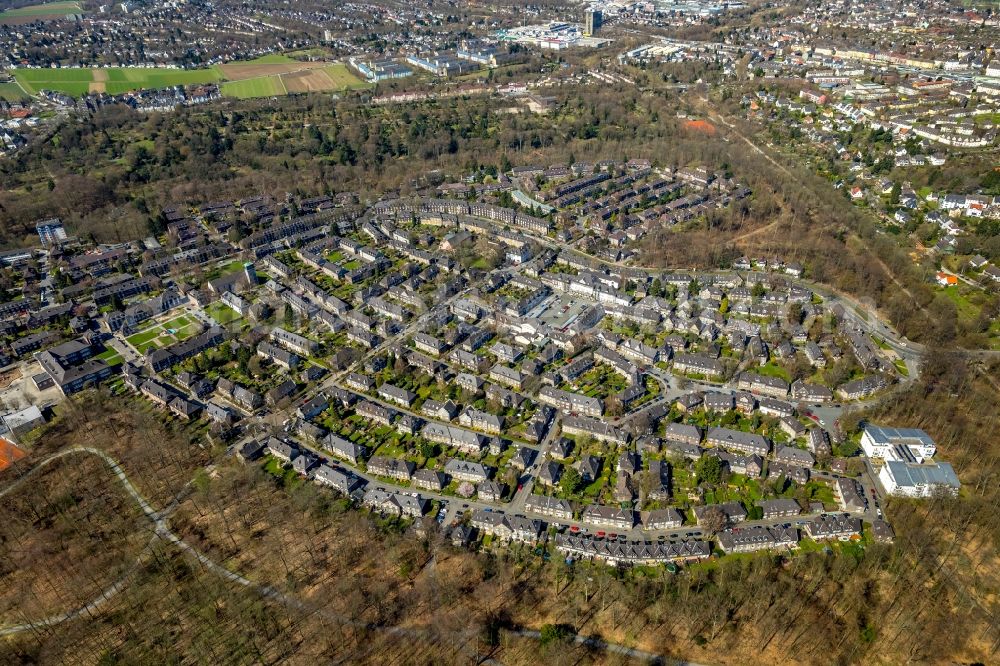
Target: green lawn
<point>47,9</point>
<point>50,74</point>
<point>116,80</point>
<point>186,332</point>
<point>124,79</point>
<point>264,86</point>
<point>287,478</point>
<point>306,53</point>
<point>342,77</point>
<point>772,370</point>
<point>69,81</point>
<point>144,336</point>
<point>966,309</point>
<point>222,313</point>
<point>12,92</point>
<point>157,335</point>
<point>272,59</point>
<point>821,492</point>
<point>177,322</point>
<point>600,382</point>
<point>110,356</point>
<point>144,347</point>
<point>987,118</point>
<point>235,266</point>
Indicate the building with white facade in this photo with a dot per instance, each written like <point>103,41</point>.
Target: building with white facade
<point>918,480</point>
<point>899,444</point>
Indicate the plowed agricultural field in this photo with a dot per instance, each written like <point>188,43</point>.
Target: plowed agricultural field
<point>333,77</point>
<point>237,71</point>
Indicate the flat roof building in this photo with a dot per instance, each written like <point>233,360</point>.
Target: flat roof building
<point>918,480</point>
<point>898,444</point>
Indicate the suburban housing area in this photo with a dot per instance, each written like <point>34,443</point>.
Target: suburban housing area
<point>612,413</point>
<point>499,333</point>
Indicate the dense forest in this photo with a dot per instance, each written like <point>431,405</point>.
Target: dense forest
<point>111,171</point>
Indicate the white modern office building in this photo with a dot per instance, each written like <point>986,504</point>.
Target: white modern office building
<point>918,480</point>
<point>899,444</point>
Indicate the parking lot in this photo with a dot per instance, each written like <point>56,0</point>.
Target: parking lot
<point>21,392</point>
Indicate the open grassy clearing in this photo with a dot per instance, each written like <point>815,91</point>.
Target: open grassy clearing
<point>273,59</point>
<point>268,76</point>
<point>265,86</point>
<point>69,81</point>
<point>343,77</point>
<point>114,80</point>
<point>185,332</point>
<point>50,10</point>
<point>132,78</point>
<point>143,347</point>
<point>966,308</point>
<point>177,322</point>
<point>11,92</point>
<point>305,78</point>
<point>316,52</point>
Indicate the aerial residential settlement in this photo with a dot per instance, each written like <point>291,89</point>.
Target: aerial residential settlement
<point>543,394</point>
<point>439,332</point>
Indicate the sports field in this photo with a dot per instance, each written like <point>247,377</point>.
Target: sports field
<point>129,78</point>
<point>50,10</point>
<point>9,454</point>
<point>114,80</point>
<point>267,76</point>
